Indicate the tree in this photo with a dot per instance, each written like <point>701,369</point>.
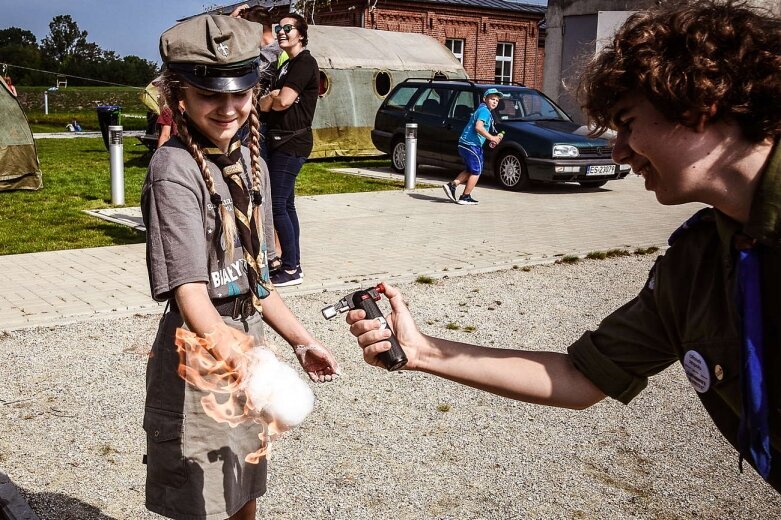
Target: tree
<point>64,40</point>
<point>19,47</point>
<point>17,37</point>
<point>65,50</point>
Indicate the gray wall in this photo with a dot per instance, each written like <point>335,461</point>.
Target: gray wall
<point>573,27</point>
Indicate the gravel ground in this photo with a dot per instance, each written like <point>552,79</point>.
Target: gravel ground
<point>400,445</point>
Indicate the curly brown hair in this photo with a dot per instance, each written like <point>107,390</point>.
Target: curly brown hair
<point>687,59</point>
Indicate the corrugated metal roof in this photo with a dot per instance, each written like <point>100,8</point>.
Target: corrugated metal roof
<point>500,5</point>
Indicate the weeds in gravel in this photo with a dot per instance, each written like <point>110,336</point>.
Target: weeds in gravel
<point>526,268</point>
<point>611,253</point>
<point>107,450</point>
<point>469,328</point>
<point>596,255</point>
<point>452,326</point>
<point>646,250</point>
<point>443,407</point>
<point>568,259</point>
<point>424,279</point>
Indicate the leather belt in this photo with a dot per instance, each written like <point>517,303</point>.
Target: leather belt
<point>236,307</point>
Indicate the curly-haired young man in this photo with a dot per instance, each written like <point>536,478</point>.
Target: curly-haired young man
<point>692,90</point>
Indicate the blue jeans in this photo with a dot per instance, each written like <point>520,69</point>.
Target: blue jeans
<point>283,169</point>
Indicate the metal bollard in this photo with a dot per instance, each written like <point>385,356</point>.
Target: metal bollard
<point>46,103</point>
<point>116,152</point>
<point>411,159</point>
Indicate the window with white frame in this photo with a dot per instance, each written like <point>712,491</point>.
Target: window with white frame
<point>504,63</point>
<point>457,48</point>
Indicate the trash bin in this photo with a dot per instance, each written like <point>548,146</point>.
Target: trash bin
<point>108,115</point>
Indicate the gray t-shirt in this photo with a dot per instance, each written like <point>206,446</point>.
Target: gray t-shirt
<point>182,232</point>
<point>269,55</point>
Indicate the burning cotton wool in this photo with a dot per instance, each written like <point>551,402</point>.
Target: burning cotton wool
<point>276,388</point>
<point>254,385</point>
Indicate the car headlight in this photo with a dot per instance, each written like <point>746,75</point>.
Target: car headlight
<point>565,150</point>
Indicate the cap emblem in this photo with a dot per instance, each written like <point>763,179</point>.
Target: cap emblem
<point>223,49</point>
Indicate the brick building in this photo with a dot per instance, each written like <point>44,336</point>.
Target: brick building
<point>495,40</point>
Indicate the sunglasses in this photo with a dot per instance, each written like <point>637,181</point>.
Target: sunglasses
<point>287,28</point>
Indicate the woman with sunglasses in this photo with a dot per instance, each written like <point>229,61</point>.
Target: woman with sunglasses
<point>291,108</point>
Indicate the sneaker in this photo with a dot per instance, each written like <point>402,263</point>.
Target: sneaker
<point>467,199</point>
<point>285,279</point>
<point>450,190</point>
<point>300,271</point>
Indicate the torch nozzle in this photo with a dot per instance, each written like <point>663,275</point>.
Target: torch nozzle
<point>348,302</point>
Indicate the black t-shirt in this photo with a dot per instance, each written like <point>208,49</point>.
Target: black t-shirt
<point>302,75</point>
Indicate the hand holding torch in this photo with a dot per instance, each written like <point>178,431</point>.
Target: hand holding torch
<point>394,358</point>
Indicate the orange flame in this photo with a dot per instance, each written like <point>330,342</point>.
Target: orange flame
<point>216,363</point>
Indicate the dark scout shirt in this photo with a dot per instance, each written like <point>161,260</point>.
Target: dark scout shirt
<point>690,304</point>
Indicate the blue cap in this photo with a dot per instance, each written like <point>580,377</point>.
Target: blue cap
<point>492,91</point>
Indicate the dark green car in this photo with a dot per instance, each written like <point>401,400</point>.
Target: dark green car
<point>541,142</point>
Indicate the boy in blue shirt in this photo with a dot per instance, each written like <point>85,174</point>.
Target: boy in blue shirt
<point>470,148</point>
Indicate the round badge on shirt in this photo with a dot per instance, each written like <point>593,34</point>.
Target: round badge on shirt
<point>696,371</point>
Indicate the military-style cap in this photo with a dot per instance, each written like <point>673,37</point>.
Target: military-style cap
<point>214,52</point>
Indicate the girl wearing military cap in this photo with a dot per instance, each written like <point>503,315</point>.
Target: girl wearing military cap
<point>205,202</point>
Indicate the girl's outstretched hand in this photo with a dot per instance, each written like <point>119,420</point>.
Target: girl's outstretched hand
<point>318,362</point>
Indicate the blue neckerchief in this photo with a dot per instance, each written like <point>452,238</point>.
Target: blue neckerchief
<point>754,430</point>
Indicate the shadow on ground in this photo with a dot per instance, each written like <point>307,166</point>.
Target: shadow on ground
<point>56,506</point>
<point>488,182</point>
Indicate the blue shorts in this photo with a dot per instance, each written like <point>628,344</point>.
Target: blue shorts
<point>472,156</point>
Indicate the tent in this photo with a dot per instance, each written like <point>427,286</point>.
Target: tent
<point>150,96</point>
<point>358,67</point>
<point>19,166</point>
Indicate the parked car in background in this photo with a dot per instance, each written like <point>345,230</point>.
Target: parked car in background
<point>541,142</point>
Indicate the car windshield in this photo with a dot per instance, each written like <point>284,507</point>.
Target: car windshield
<point>528,105</point>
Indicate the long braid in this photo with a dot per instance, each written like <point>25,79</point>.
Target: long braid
<point>172,94</point>
<point>254,149</point>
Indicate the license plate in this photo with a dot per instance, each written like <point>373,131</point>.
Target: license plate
<point>602,169</point>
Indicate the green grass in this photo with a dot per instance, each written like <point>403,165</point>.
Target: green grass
<point>41,123</point>
<point>423,279</point>
<point>318,178</point>
<point>76,177</point>
<point>80,103</point>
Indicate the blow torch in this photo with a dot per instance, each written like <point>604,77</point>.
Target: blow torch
<point>394,358</point>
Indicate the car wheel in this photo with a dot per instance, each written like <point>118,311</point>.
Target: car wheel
<point>398,155</point>
<point>592,184</point>
<point>511,171</point>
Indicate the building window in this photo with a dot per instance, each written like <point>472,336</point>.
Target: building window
<point>457,48</point>
<point>504,63</point>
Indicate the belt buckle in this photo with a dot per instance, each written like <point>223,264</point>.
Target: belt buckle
<point>243,308</point>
